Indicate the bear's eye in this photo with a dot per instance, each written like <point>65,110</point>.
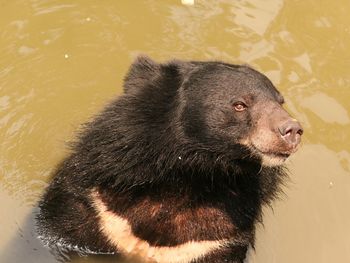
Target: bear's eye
<point>239,106</point>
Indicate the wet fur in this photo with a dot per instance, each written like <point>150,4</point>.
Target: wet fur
<point>151,161</point>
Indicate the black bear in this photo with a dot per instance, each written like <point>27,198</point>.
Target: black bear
<point>177,168</point>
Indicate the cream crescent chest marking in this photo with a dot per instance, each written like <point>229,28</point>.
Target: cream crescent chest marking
<point>119,233</point>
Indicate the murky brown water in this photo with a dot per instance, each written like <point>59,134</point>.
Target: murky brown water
<point>61,61</point>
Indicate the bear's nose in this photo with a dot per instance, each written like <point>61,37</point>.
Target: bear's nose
<point>291,132</point>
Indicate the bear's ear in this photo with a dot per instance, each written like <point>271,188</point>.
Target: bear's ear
<point>180,70</point>
<point>141,73</point>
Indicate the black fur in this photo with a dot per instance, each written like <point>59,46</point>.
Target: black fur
<point>172,139</point>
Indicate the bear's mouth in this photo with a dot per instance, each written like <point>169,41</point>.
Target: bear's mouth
<point>278,156</point>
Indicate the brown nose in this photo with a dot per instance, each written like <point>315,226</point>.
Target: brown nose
<point>291,132</point>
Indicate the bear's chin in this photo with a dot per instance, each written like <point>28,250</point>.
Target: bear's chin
<point>271,160</point>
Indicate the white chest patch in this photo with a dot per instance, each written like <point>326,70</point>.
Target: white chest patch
<point>119,232</point>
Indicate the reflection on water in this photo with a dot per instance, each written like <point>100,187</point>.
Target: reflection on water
<point>326,108</point>
<point>61,61</point>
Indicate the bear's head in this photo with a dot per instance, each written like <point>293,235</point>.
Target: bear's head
<point>222,107</point>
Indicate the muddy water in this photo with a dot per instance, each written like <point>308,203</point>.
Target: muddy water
<point>61,61</point>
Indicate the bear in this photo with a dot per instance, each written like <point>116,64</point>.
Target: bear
<point>176,169</point>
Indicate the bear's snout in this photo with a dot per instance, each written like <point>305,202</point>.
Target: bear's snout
<point>291,132</point>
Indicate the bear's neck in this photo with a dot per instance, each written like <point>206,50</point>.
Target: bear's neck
<point>184,166</point>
